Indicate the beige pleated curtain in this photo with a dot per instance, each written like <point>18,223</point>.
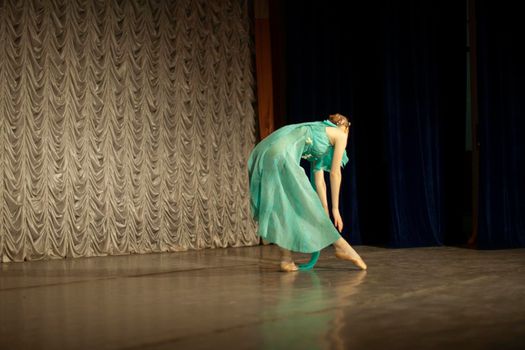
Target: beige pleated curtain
<point>125,127</point>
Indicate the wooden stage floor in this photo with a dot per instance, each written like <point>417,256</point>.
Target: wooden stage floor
<point>417,298</point>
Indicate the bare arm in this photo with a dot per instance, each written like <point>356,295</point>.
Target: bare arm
<point>320,187</point>
<point>335,176</point>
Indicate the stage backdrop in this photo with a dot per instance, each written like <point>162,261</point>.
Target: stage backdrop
<point>397,68</point>
<point>125,127</point>
<point>501,76</point>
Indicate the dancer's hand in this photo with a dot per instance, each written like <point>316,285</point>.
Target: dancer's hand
<point>338,221</point>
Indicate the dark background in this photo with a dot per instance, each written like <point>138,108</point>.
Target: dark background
<point>399,70</point>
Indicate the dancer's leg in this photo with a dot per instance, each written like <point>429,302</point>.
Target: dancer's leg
<point>287,263</point>
<point>343,250</point>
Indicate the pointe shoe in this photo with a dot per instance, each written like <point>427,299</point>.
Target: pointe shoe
<point>288,266</point>
<point>358,262</point>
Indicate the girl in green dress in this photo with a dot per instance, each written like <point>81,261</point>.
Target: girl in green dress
<point>290,210</point>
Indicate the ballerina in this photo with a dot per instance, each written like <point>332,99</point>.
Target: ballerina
<point>291,211</point>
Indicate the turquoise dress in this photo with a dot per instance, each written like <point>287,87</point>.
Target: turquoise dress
<point>284,202</point>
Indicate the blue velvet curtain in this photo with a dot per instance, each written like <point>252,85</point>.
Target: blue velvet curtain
<point>501,81</point>
<point>424,94</point>
<point>398,69</point>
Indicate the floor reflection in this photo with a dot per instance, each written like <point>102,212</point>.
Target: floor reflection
<point>307,311</point>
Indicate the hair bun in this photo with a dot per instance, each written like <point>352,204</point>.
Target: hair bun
<point>339,119</point>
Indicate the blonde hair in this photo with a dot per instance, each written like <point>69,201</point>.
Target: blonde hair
<point>339,120</point>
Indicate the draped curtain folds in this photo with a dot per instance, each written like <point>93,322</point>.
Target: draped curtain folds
<point>501,77</point>
<point>398,69</point>
<point>125,127</point>
<point>424,88</point>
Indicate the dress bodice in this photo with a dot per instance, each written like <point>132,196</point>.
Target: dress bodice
<point>317,149</point>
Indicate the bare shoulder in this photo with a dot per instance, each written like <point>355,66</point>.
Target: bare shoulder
<point>336,135</point>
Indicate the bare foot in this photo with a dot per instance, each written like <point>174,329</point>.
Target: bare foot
<point>358,261</point>
<point>344,251</point>
<point>288,266</point>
